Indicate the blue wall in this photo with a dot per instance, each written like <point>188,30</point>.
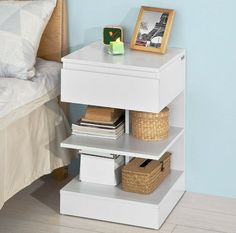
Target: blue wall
<point>206,28</point>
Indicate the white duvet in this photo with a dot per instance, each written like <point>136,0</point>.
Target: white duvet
<point>26,155</point>
<point>15,93</point>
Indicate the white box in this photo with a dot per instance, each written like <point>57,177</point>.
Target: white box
<point>101,170</point>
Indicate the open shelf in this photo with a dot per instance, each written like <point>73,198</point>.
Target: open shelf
<point>126,145</point>
<point>111,203</point>
<point>115,192</point>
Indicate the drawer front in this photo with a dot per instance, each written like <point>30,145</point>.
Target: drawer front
<point>111,90</point>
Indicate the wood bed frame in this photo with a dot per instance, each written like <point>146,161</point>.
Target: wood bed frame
<point>53,46</point>
<point>54,42</point>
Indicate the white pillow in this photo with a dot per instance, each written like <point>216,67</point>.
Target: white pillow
<point>21,27</point>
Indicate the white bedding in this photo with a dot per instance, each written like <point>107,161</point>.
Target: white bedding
<point>32,125</point>
<point>15,93</point>
<point>30,148</point>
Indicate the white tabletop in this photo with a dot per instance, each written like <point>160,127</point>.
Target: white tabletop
<point>96,54</point>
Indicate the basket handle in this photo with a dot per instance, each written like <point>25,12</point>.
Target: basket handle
<point>162,166</point>
<point>145,163</point>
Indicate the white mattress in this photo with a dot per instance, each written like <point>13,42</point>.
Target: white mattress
<point>15,93</point>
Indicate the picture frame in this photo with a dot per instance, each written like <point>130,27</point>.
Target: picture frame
<point>152,29</point>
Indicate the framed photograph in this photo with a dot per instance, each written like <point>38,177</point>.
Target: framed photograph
<point>152,29</point>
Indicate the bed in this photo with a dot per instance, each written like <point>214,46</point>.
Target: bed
<point>32,121</point>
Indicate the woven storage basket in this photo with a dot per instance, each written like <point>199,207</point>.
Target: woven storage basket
<point>150,126</point>
<point>145,175</point>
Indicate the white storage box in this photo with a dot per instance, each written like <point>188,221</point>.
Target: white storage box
<point>101,170</point>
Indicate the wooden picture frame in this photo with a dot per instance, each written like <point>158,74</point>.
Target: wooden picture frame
<point>152,29</point>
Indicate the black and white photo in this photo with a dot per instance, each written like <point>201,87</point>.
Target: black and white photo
<point>152,29</point>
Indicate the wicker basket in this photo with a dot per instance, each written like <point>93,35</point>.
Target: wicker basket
<point>150,126</point>
<point>145,175</point>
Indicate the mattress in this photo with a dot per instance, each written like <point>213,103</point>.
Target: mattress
<point>15,93</point>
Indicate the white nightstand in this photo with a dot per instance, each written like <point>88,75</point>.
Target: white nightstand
<point>136,81</point>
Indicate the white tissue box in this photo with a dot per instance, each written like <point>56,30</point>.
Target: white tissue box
<point>101,170</point>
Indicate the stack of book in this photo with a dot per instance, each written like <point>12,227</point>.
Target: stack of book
<point>100,122</point>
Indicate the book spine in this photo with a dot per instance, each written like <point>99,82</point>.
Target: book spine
<point>99,132</point>
<point>96,136</point>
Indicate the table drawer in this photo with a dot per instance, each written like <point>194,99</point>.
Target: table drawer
<point>110,90</point>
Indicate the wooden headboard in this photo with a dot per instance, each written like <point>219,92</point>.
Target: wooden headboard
<point>54,42</point>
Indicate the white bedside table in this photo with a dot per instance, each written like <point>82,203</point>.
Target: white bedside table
<point>136,81</point>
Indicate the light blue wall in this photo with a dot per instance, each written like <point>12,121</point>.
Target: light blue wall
<point>206,28</point>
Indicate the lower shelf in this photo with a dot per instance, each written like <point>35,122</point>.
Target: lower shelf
<point>110,203</point>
